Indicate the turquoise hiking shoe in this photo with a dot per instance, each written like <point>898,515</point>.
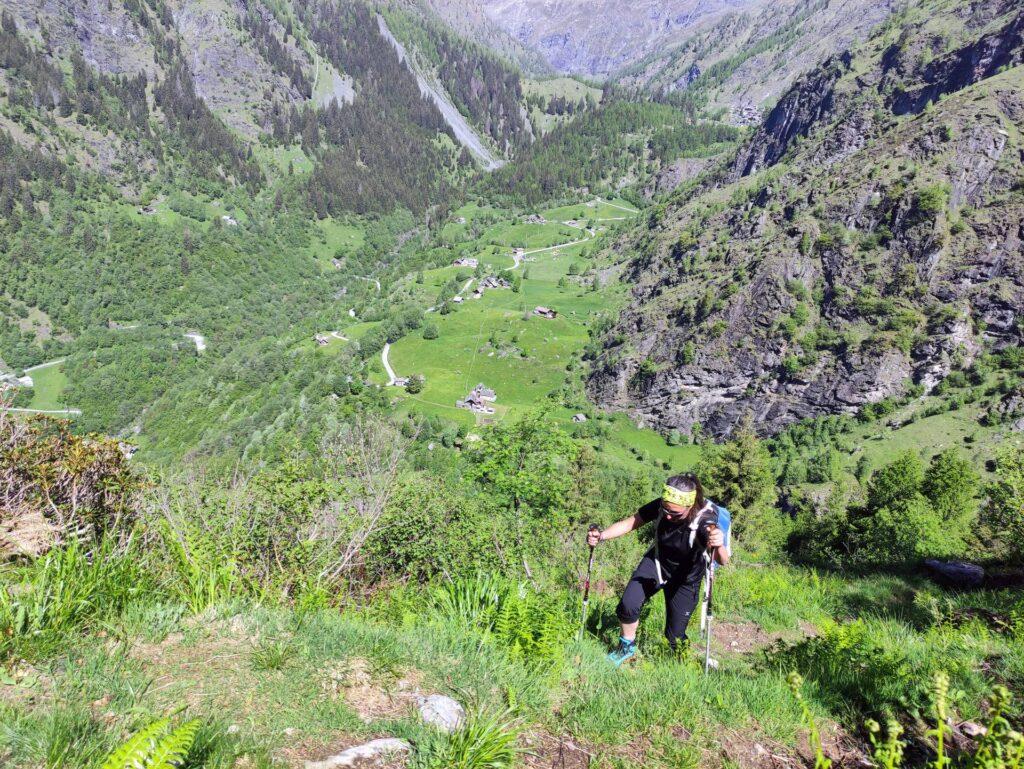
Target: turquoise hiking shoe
<point>626,650</point>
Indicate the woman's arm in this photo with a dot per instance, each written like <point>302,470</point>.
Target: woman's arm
<point>716,540</point>
<point>617,529</point>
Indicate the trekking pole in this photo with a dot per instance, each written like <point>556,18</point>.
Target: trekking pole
<point>710,613</point>
<point>586,586</point>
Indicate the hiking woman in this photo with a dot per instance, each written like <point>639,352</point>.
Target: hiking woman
<point>687,529</point>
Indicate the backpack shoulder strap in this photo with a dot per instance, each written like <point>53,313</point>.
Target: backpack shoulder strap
<point>657,559</point>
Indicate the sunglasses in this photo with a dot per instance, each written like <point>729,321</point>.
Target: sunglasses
<point>674,513</point>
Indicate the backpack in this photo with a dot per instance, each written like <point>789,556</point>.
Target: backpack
<point>725,524</point>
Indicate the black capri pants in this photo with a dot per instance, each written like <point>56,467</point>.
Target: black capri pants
<point>680,599</point>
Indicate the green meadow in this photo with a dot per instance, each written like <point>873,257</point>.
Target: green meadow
<point>497,339</point>
<point>48,385</point>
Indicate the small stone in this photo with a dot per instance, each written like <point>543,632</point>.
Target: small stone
<point>443,712</point>
<point>973,730</point>
<point>289,732</point>
<point>233,729</point>
<point>375,751</point>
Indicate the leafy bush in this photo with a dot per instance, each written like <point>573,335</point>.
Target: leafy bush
<point>72,483</point>
<point>429,528</point>
<point>881,668</point>
<point>932,199</point>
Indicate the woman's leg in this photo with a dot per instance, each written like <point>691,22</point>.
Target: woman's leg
<point>680,601</point>
<point>642,585</point>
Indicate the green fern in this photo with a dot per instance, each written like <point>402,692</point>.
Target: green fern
<point>171,751</point>
<point>137,747</point>
<point>156,746</point>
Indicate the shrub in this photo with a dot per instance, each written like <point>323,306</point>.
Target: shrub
<point>428,529</point>
<point>486,741</point>
<point>879,667</point>
<point>525,623</point>
<point>738,475</point>
<point>1006,499</point>
<point>430,331</point>
<point>931,200</point>
<point>53,482</point>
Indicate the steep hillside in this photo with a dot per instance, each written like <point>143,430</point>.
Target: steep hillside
<point>745,61</point>
<point>865,242</point>
<point>599,37</point>
<point>256,85</point>
<point>469,19</point>
<point>619,144</point>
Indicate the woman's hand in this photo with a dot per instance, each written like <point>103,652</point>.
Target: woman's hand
<point>593,537</point>
<point>715,537</point>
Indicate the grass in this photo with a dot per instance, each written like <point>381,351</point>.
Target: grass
<point>532,353</point>
<point>284,682</point>
<point>568,87</point>
<point>335,238</point>
<point>960,428</point>
<point>48,384</point>
<point>496,340</point>
<point>275,159</point>
<point>629,442</point>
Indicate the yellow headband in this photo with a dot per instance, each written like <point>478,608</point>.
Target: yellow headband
<point>675,496</point>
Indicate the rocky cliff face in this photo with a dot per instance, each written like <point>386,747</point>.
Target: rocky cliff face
<point>850,250</point>
<point>908,77</point>
<point>600,37</point>
<point>746,60</point>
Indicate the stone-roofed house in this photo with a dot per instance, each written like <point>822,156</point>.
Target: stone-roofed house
<point>478,400</point>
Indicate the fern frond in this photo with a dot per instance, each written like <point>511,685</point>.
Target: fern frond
<point>171,751</point>
<point>137,749</point>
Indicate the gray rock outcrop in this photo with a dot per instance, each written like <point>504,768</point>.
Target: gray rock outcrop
<point>443,712</point>
<point>368,754</point>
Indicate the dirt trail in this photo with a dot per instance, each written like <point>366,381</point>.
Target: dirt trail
<point>370,280</point>
<point>45,365</point>
<point>58,412</point>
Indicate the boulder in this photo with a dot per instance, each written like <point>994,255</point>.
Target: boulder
<point>443,712</point>
<point>956,574</point>
<point>368,754</point>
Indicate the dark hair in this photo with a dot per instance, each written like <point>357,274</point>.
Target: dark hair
<point>688,482</point>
